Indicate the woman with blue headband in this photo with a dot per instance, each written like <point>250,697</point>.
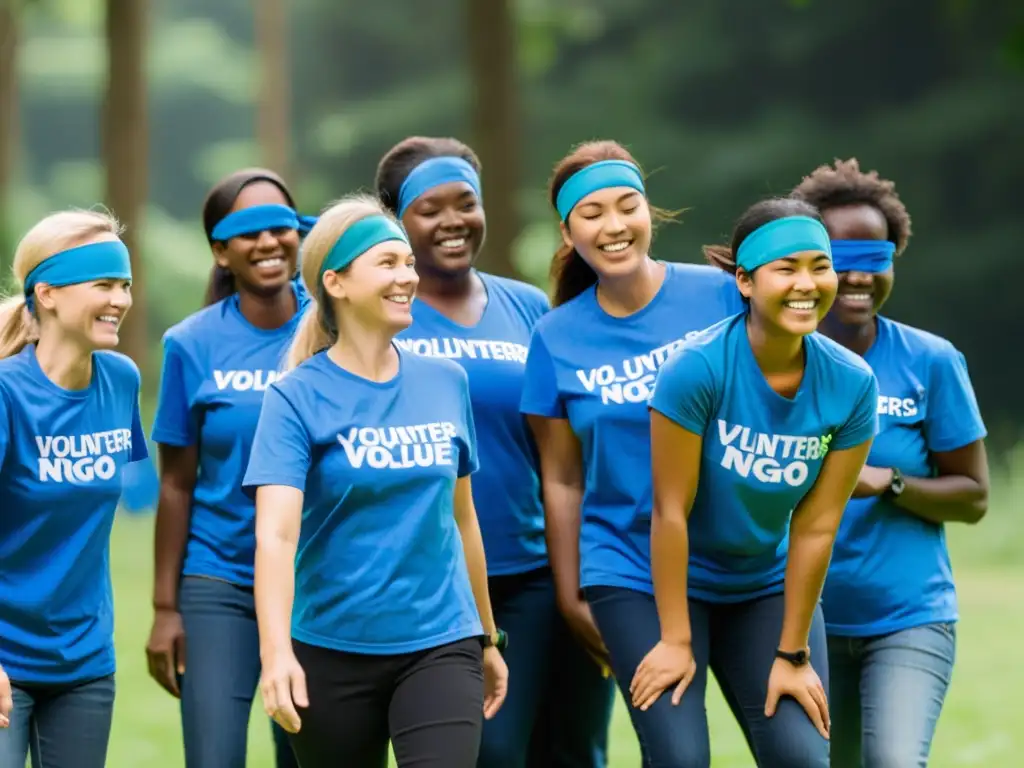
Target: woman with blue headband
<point>759,429</point>
<point>218,362</point>
<point>890,602</point>
<point>371,584</point>
<point>69,423</point>
<point>592,362</point>
<point>483,322</point>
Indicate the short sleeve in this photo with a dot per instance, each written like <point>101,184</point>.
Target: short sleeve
<point>862,423</point>
<point>685,390</point>
<point>281,448</point>
<point>540,384</point>
<point>140,451</point>
<point>953,419</point>
<point>468,458</point>
<point>174,423</point>
<point>734,303</point>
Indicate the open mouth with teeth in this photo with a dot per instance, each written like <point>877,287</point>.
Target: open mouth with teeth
<point>269,265</point>
<point>616,247</point>
<point>454,244</point>
<point>856,298</point>
<point>111,320</point>
<point>400,298</point>
<point>801,305</point>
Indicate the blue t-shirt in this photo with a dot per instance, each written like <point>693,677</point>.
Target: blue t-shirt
<point>890,569</point>
<point>597,371</point>
<point>61,456</point>
<point>506,490</point>
<point>380,567</point>
<point>762,452</point>
<point>217,365</point>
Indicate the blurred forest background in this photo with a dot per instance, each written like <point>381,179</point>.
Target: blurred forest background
<point>144,104</point>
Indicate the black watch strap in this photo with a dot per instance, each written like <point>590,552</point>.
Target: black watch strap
<point>502,642</point>
<point>896,485</point>
<point>796,658</point>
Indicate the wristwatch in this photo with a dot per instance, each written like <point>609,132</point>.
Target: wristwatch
<point>501,643</point>
<point>797,658</point>
<point>896,485</point>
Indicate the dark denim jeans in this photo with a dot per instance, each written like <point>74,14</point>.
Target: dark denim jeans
<point>886,694</point>
<point>559,707</point>
<point>61,726</point>
<point>737,641</point>
<point>222,672</point>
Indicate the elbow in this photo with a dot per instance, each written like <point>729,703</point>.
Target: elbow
<point>976,509</point>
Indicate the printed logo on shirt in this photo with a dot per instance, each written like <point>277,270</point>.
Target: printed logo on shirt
<point>244,381</point>
<point>81,458</point>
<point>474,349</point>
<point>416,445</point>
<point>632,380</point>
<point>770,458</point>
<point>897,406</point>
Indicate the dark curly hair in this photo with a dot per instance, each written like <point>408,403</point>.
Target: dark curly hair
<point>844,183</point>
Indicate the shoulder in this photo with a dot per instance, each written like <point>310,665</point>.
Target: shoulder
<point>706,351</point>
<point>840,364</point>
<point>195,328</point>
<point>12,372</point>
<point>567,316</point>
<point>528,293</point>
<point>918,342</point>
<point>700,273</point>
<point>120,366</point>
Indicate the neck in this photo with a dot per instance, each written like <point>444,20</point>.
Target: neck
<point>365,352</point>
<point>775,352</point>
<point>630,293</point>
<point>268,311</point>
<point>65,363</point>
<point>441,285</point>
<point>856,338</point>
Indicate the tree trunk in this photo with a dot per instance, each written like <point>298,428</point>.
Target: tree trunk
<point>8,129</point>
<point>495,119</point>
<point>125,150</point>
<point>273,107</point>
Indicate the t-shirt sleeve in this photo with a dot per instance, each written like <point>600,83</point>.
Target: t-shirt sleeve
<point>686,391</point>
<point>140,451</point>
<point>175,422</point>
<point>6,429</point>
<point>953,419</point>
<point>469,461</point>
<point>734,303</point>
<point>281,448</point>
<point>862,423</point>
<point>540,384</point>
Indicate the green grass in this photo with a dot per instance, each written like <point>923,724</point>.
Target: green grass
<point>980,726</point>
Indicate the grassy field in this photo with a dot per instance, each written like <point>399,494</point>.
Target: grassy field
<point>981,724</point>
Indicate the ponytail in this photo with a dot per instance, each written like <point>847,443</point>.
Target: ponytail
<point>17,327</point>
<point>570,275</point>
<point>720,256</point>
<point>220,286</point>
<point>317,331</point>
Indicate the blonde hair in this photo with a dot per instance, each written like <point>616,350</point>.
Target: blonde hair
<point>318,328</point>
<point>55,233</point>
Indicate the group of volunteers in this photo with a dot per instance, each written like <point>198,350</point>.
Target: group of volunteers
<point>739,466</point>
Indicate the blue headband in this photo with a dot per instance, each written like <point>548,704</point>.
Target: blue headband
<point>862,255</point>
<point>359,238</point>
<point>105,260</point>
<point>780,238</point>
<point>259,218</point>
<point>432,173</point>
<point>600,175</point>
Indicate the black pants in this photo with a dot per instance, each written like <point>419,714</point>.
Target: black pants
<point>428,704</point>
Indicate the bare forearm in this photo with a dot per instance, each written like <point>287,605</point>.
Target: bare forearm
<point>953,498</point>
<point>173,514</point>
<point>670,555</point>
<point>809,554</point>
<point>562,531</point>
<point>274,592</point>
<point>476,564</point>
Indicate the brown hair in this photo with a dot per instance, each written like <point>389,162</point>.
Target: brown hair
<point>755,217</point>
<point>570,274</point>
<point>406,155</point>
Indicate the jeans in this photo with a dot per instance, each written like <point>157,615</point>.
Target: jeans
<point>222,672</point>
<point>559,707</point>
<point>886,694</point>
<point>64,726</point>
<point>737,641</point>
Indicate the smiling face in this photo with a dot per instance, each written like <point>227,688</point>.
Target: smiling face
<point>261,262</point>
<point>861,294</point>
<point>611,230</point>
<point>791,295</point>
<point>446,227</point>
<point>377,288</point>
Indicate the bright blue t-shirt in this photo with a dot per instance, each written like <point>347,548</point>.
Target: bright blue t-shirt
<point>761,453</point>
<point>217,365</point>
<point>61,456</point>
<point>506,489</point>
<point>380,567</point>
<point>890,569</point>
<point>597,371</point>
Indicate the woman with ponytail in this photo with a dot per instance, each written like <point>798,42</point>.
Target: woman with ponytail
<point>69,423</point>
<point>204,645</point>
<point>371,583</point>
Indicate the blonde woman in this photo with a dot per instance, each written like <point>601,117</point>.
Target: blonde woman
<point>69,422</point>
<point>367,541</point>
